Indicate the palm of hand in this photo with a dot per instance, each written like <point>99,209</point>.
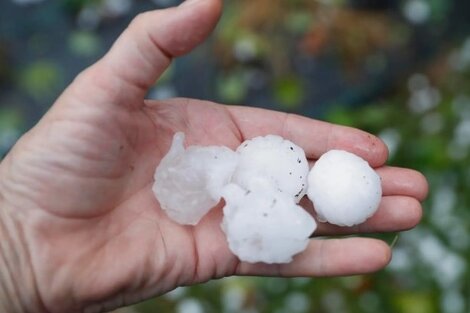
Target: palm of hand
<point>96,216</point>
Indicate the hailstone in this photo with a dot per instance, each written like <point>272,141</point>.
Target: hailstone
<point>261,183</point>
<point>189,182</point>
<point>344,189</point>
<point>265,226</point>
<point>272,162</point>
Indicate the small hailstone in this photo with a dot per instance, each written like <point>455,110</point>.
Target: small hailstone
<point>188,182</point>
<point>265,226</point>
<point>273,157</point>
<point>344,189</point>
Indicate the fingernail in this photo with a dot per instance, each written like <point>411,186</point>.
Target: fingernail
<point>190,2</point>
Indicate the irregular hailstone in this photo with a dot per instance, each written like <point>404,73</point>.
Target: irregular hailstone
<point>273,157</point>
<point>344,189</point>
<point>265,226</point>
<point>189,182</point>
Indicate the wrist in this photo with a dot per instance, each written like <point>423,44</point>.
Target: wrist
<point>18,291</point>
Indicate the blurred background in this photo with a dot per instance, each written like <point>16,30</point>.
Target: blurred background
<point>398,69</point>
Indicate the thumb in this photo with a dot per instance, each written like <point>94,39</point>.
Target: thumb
<point>145,49</point>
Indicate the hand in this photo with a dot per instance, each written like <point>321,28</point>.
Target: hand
<point>80,224</point>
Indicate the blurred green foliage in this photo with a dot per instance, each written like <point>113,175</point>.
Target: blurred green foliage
<point>398,69</point>
<point>40,79</point>
<point>84,43</point>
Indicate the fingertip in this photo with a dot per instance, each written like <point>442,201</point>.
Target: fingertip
<point>396,213</point>
<point>422,186</point>
<point>376,150</point>
<point>214,4</point>
<point>210,10</point>
<point>369,147</point>
<point>383,151</point>
<point>415,213</point>
<point>215,8</point>
<point>386,254</point>
<point>403,182</point>
<point>179,29</point>
<point>379,255</point>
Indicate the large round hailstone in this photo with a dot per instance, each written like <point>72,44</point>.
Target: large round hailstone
<point>189,182</point>
<point>279,160</point>
<point>265,226</point>
<point>344,189</point>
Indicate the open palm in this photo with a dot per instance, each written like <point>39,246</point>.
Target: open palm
<point>78,185</point>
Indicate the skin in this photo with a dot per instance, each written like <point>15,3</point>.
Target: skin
<point>80,230</point>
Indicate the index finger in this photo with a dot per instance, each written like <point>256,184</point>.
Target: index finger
<point>315,137</point>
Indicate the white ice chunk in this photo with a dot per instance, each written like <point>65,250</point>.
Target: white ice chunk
<point>188,182</point>
<point>265,226</point>
<point>273,157</point>
<point>344,189</point>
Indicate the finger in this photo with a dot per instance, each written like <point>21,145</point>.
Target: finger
<point>145,49</point>
<point>315,137</point>
<point>397,181</point>
<point>402,181</point>
<point>396,213</point>
<point>328,257</point>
